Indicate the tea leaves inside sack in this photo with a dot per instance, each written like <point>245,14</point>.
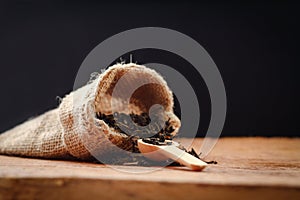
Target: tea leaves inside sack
<point>141,127</point>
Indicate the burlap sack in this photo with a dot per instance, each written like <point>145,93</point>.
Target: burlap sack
<point>73,131</point>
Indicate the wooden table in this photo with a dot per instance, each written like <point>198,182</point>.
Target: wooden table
<point>248,168</point>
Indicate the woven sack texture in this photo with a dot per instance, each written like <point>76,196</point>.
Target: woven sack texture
<point>73,131</point>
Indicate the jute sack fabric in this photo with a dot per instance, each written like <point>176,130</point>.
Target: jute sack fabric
<point>73,131</point>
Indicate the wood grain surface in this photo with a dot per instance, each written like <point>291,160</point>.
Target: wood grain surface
<point>248,168</point>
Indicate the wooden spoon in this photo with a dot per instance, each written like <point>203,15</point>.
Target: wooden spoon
<point>164,152</point>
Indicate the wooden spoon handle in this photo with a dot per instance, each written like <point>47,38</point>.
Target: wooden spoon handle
<point>182,157</point>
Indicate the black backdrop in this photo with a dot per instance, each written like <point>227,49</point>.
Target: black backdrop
<point>255,46</point>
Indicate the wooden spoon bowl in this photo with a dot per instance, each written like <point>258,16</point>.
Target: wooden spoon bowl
<point>164,152</point>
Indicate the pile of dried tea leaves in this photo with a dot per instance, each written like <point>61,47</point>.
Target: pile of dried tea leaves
<point>152,134</point>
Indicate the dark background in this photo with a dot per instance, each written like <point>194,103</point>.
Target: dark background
<point>255,46</point>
